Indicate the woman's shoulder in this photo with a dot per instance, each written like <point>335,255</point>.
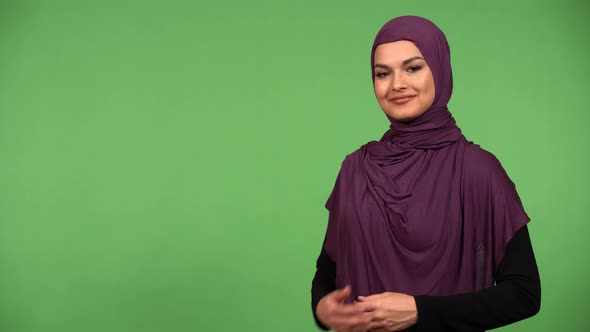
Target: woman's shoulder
<point>357,154</point>
<point>480,164</point>
<point>478,157</point>
<point>353,160</point>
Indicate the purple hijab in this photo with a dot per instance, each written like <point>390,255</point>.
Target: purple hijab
<point>422,211</point>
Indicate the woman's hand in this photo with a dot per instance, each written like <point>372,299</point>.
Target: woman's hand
<point>390,311</point>
<point>341,317</point>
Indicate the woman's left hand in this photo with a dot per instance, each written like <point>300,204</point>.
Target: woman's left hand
<point>390,311</point>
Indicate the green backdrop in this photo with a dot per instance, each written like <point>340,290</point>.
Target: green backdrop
<point>164,165</point>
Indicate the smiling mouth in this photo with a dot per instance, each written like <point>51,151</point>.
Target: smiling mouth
<point>400,101</point>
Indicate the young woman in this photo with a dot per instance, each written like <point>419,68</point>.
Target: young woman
<point>426,230</point>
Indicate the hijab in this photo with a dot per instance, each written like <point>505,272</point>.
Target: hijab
<point>422,211</point>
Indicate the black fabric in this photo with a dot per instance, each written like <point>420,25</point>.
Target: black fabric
<point>323,282</point>
<point>516,295</point>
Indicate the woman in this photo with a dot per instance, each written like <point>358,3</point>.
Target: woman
<point>426,230</point>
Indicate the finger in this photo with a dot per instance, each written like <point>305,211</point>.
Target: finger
<point>342,293</point>
<point>365,306</point>
<point>351,323</point>
<point>359,322</point>
<point>348,310</point>
<point>374,297</point>
<point>379,316</point>
<point>377,326</point>
<point>382,329</point>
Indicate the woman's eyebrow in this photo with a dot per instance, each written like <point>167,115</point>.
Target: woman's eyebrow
<point>405,62</point>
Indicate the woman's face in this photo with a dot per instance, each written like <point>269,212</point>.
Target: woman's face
<point>404,85</point>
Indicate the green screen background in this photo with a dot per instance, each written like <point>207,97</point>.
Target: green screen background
<point>164,165</point>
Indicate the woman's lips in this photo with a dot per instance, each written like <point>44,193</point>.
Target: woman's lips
<point>400,101</point>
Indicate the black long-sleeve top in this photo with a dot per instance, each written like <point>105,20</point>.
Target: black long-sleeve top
<point>516,294</point>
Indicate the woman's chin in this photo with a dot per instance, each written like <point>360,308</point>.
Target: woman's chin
<point>401,117</point>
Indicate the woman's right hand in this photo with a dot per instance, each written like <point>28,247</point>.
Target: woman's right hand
<point>341,317</point>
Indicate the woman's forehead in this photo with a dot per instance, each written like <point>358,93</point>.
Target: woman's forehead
<point>397,51</point>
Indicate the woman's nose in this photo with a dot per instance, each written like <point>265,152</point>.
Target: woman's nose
<point>399,82</point>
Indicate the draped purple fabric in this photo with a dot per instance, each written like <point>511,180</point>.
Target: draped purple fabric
<point>422,211</point>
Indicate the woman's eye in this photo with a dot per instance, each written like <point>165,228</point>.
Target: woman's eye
<point>382,74</point>
<point>412,69</point>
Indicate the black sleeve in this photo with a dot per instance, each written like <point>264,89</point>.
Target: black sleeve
<point>323,282</point>
<point>516,295</point>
